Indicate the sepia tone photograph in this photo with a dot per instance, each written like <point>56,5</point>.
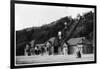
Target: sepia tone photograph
<point>46,34</point>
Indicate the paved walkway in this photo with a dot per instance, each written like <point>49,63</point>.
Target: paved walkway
<point>52,59</point>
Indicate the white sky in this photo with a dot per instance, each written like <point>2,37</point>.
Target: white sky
<point>37,15</point>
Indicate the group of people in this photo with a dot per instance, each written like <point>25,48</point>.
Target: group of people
<point>48,48</point>
<point>34,50</point>
<point>51,47</point>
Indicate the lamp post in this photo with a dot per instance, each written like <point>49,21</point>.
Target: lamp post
<point>64,30</point>
<point>65,25</point>
<point>60,36</point>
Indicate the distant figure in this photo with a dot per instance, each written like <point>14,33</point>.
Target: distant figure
<point>36,50</point>
<point>65,49</point>
<point>27,50</point>
<point>49,48</point>
<point>32,50</point>
<point>78,54</point>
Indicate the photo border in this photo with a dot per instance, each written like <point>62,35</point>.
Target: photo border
<point>12,32</point>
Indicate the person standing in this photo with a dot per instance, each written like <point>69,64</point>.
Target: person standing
<point>27,50</point>
<point>65,49</point>
<point>79,52</point>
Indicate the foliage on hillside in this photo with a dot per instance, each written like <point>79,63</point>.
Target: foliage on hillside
<point>78,27</point>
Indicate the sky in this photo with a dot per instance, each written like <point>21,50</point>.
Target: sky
<point>38,15</point>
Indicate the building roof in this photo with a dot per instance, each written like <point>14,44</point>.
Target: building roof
<point>75,41</point>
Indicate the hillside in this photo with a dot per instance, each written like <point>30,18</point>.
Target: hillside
<point>75,28</point>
